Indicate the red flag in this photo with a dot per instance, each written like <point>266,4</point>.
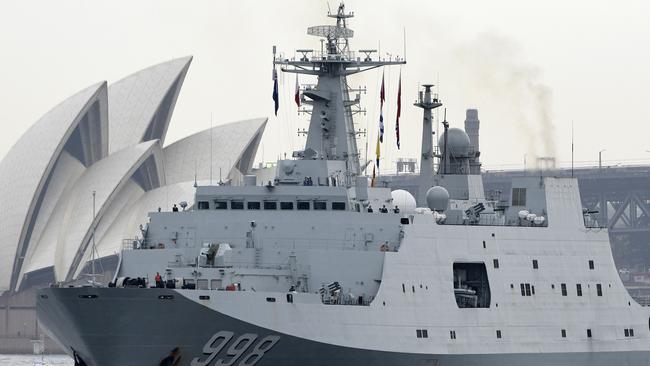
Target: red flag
<point>399,107</point>
<point>297,95</point>
<point>382,94</point>
<point>372,182</point>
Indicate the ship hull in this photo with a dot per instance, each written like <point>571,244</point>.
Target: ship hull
<point>143,326</point>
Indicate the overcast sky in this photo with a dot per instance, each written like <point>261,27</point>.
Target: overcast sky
<point>531,68</point>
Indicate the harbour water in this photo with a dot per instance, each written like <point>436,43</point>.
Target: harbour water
<point>33,360</point>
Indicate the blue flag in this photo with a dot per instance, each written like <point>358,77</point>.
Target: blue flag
<point>276,97</point>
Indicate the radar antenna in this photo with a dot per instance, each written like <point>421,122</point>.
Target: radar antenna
<point>332,133</point>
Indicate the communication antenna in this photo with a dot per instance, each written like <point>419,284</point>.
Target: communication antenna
<point>445,124</point>
<point>92,255</point>
<point>195,183</point>
<point>571,148</point>
<point>437,110</point>
<point>404,44</point>
<point>210,148</point>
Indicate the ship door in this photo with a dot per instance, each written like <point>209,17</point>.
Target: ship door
<point>471,285</point>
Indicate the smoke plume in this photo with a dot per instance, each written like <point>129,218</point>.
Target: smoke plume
<point>494,65</point>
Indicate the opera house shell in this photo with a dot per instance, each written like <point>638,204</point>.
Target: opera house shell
<point>106,144</point>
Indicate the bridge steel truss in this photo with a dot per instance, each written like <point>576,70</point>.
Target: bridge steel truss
<point>619,195</point>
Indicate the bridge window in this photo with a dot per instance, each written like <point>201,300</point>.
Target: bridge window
<point>286,205</point>
<point>591,264</point>
<point>253,205</point>
<point>237,205</point>
<point>588,333</point>
<point>303,205</point>
<point>563,333</point>
<point>496,263</point>
<point>627,332</point>
<point>498,333</point>
<point>452,334</point>
<point>523,289</point>
<point>270,205</point>
<point>519,196</point>
<point>220,205</point>
<point>579,289</point>
<point>422,333</point>
<point>203,205</point>
<point>338,206</point>
<point>599,289</point>
<point>535,264</point>
<point>320,205</point>
<point>563,285</point>
<point>471,285</point>
<point>528,289</point>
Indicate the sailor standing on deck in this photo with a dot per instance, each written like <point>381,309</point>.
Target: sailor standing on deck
<point>159,281</point>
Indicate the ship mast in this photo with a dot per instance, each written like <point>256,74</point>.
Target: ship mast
<point>331,134</point>
<point>427,101</point>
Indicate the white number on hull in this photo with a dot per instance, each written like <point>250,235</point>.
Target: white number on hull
<point>217,342</point>
<point>209,349</point>
<point>260,349</point>
<point>237,349</point>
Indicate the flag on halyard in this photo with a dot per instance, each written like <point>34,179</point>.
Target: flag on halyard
<point>276,96</point>
<point>382,98</point>
<point>372,182</point>
<point>378,152</point>
<point>399,107</point>
<point>296,97</point>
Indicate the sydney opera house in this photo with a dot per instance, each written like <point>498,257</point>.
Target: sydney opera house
<point>105,144</point>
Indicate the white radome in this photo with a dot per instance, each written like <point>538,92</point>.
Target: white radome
<point>404,200</point>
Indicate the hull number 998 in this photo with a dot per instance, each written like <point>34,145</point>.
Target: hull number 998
<point>237,351</point>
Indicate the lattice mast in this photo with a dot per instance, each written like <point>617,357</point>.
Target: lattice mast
<point>331,132</point>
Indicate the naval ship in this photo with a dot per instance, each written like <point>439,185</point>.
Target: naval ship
<point>299,271</point>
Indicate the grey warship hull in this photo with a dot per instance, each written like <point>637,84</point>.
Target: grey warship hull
<point>141,327</point>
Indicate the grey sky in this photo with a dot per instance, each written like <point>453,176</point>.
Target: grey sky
<point>591,57</point>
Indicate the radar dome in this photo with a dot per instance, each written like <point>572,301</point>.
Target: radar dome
<point>404,200</point>
<point>437,198</point>
<point>457,143</point>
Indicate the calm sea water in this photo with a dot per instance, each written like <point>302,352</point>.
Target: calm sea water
<point>29,360</point>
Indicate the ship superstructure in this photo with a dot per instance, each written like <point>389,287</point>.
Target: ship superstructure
<point>317,267</point>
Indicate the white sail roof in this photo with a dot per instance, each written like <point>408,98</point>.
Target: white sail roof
<point>225,147</point>
<point>26,169</point>
<point>106,178</point>
<point>141,105</point>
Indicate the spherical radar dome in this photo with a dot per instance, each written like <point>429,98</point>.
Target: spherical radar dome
<point>437,198</point>
<point>457,142</point>
<point>404,200</point>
